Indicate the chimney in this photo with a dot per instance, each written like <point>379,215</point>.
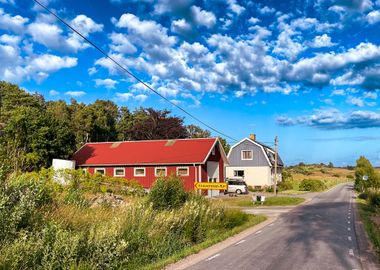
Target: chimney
<point>252,137</point>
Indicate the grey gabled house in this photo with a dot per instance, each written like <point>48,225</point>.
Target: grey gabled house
<point>254,162</point>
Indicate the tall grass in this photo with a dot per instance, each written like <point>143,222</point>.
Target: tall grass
<point>40,230</point>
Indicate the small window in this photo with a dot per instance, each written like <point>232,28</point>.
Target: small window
<point>213,151</point>
<point>246,155</point>
<point>239,173</point>
<point>84,170</point>
<point>183,171</point>
<point>139,172</point>
<point>119,172</point>
<point>160,171</point>
<point>101,171</point>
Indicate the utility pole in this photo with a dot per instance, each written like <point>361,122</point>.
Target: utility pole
<point>275,165</point>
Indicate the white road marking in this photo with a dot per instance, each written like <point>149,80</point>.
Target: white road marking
<point>258,232</point>
<point>240,242</point>
<point>349,229</point>
<point>213,257</point>
<point>351,252</point>
<point>349,238</point>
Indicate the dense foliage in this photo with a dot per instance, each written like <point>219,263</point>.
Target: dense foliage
<point>34,131</point>
<point>312,185</point>
<point>367,181</point>
<point>168,193</point>
<point>40,229</point>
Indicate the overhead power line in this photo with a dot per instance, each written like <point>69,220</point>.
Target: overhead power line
<point>130,73</point>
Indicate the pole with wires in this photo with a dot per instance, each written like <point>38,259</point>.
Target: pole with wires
<point>275,164</point>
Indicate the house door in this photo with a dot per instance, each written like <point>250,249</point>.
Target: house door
<point>212,176</point>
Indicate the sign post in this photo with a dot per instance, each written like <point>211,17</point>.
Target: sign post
<point>211,186</point>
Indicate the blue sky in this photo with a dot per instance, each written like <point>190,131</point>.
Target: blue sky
<point>307,71</point>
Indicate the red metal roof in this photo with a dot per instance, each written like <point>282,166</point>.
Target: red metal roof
<point>181,151</point>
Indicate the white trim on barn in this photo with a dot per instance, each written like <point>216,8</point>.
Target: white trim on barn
<point>160,168</point>
<point>138,168</point>
<point>118,175</point>
<point>96,170</point>
<point>183,167</point>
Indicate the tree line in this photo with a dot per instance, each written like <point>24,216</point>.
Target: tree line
<point>33,131</point>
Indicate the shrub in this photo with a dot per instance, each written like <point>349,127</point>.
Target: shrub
<point>312,185</point>
<point>336,175</point>
<point>363,196</point>
<point>167,193</point>
<point>255,188</point>
<point>351,177</point>
<point>268,189</point>
<point>20,199</point>
<point>285,185</point>
<point>374,199</point>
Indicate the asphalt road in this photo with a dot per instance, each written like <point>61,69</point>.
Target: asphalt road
<point>318,235</point>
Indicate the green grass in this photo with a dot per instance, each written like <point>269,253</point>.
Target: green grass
<point>366,213</point>
<point>212,239</point>
<point>246,201</point>
<point>329,183</point>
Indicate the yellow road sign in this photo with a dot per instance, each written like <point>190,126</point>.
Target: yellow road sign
<point>212,186</point>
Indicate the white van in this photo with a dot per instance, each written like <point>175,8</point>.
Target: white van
<point>236,185</point>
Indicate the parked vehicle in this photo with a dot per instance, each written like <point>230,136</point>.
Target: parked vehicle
<point>237,186</point>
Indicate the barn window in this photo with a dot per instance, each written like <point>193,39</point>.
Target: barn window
<point>101,171</point>
<point>246,155</point>
<point>183,171</point>
<point>139,172</point>
<point>160,171</point>
<point>119,172</point>
<point>239,173</point>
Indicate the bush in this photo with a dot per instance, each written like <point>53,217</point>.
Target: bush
<point>255,189</point>
<point>167,193</point>
<point>351,177</point>
<point>363,196</point>
<point>312,185</point>
<point>20,199</point>
<point>285,185</point>
<point>374,199</point>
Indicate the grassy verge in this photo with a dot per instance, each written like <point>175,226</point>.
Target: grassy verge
<point>212,239</point>
<point>246,201</point>
<point>367,213</point>
<point>328,183</point>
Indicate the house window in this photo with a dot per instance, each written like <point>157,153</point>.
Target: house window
<point>139,172</point>
<point>183,171</point>
<point>246,155</point>
<point>101,171</point>
<point>213,151</point>
<point>239,173</point>
<point>119,172</point>
<point>84,170</point>
<point>160,171</point>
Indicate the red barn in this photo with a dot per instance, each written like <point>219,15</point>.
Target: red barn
<point>195,160</point>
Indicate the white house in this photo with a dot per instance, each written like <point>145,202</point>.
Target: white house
<point>254,162</point>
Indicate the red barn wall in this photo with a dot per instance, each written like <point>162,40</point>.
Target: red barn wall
<point>149,178</point>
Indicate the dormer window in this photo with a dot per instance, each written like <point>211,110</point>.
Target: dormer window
<point>246,155</point>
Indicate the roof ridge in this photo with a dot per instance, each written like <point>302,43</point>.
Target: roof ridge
<point>159,140</point>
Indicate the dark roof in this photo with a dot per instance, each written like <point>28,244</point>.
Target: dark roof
<point>270,154</point>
